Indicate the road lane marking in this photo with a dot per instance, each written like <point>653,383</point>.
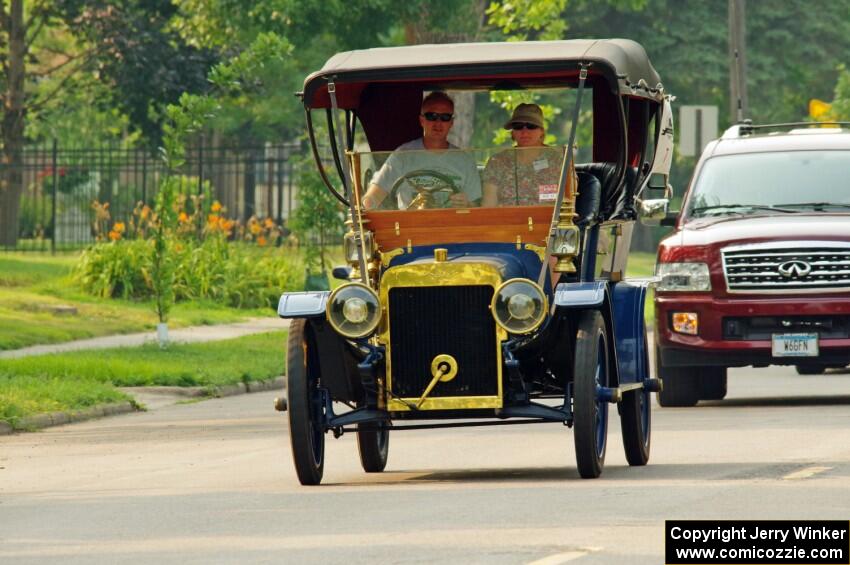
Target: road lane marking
<point>558,558</point>
<point>805,473</point>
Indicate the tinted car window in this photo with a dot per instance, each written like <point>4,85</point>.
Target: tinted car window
<point>786,178</point>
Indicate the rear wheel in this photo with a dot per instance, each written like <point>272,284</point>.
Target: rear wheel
<point>681,385</point>
<point>373,442</point>
<point>589,412</point>
<point>810,370</point>
<point>306,432</point>
<point>636,419</point>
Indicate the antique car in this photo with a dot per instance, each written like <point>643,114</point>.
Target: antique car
<point>481,314</point>
<point>757,269</point>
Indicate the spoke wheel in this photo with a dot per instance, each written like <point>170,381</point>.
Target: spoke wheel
<point>589,412</point>
<point>373,442</point>
<point>424,199</point>
<point>306,432</point>
<point>636,419</point>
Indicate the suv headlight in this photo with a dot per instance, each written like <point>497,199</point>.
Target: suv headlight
<point>683,277</point>
<point>352,249</point>
<point>354,310</point>
<point>519,306</point>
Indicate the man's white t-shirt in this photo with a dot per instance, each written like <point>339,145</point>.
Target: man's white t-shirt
<point>412,156</point>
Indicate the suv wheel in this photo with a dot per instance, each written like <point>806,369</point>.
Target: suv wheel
<point>810,370</point>
<point>681,384</point>
<point>712,381</point>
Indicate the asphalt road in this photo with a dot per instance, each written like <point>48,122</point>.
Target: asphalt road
<point>212,482</point>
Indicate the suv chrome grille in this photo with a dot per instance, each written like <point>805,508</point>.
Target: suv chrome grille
<point>815,267</point>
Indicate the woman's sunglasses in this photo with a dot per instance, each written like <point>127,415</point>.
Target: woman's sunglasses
<point>516,126</point>
<point>434,116</point>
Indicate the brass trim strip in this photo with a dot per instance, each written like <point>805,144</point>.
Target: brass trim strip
<point>446,403</point>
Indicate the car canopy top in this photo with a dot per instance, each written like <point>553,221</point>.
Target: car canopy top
<point>383,87</point>
<point>622,63</point>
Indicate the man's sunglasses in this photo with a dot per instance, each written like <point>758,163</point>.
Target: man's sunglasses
<point>516,126</point>
<point>434,116</point>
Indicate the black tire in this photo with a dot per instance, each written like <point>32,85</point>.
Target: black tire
<point>810,370</point>
<point>305,431</point>
<point>681,385</point>
<point>590,415</point>
<point>373,442</point>
<point>636,420</point>
<point>712,381</point>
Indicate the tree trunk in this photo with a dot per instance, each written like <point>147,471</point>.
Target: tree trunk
<point>11,179</point>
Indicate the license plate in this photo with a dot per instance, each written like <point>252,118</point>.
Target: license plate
<point>795,345</point>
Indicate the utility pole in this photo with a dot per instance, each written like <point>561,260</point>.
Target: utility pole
<point>738,101</point>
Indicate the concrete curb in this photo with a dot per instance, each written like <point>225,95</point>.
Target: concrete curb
<point>41,421</point>
<point>217,392</point>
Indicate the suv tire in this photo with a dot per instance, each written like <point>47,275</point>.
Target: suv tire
<point>712,381</point>
<point>681,384</point>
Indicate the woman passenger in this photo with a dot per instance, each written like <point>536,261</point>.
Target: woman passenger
<point>528,174</point>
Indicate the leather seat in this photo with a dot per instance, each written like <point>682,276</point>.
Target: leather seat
<point>588,198</point>
<point>614,205</point>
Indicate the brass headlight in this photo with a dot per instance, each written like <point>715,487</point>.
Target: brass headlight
<point>519,306</point>
<point>354,310</point>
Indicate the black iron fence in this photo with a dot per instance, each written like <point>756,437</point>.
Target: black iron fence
<point>60,186</point>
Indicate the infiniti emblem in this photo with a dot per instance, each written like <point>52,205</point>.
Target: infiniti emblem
<point>794,269</point>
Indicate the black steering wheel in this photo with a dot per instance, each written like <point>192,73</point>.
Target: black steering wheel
<point>427,183</point>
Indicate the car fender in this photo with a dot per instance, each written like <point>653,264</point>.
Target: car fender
<point>309,304</point>
<point>627,302</point>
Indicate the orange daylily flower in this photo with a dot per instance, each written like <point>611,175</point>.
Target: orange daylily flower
<point>216,206</point>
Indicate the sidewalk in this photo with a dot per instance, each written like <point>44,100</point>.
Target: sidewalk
<point>150,397</point>
<point>194,334</point>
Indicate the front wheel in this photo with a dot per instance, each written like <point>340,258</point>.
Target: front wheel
<point>681,384</point>
<point>373,442</point>
<point>306,433</point>
<point>590,414</point>
<point>636,419</point>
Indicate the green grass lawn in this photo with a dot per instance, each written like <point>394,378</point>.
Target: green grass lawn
<point>34,287</point>
<point>71,381</point>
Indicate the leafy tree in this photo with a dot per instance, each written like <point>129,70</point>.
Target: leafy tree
<point>141,57</point>
<point>54,54</point>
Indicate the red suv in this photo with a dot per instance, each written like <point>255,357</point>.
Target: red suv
<point>757,271</point>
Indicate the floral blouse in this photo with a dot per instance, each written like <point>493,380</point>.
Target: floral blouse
<point>526,184</point>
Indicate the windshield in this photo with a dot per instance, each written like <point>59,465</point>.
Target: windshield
<point>413,178</point>
<point>781,182</point>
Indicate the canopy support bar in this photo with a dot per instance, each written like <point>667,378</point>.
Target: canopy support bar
<point>332,135</point>
<point>565,173</point>
<point>353,199</point>
<point>318,159</point>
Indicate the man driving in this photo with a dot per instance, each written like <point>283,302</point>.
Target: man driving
<point>428,171</point>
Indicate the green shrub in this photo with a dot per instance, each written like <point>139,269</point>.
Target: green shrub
<point>238,275</point>
<point>118,269</point>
